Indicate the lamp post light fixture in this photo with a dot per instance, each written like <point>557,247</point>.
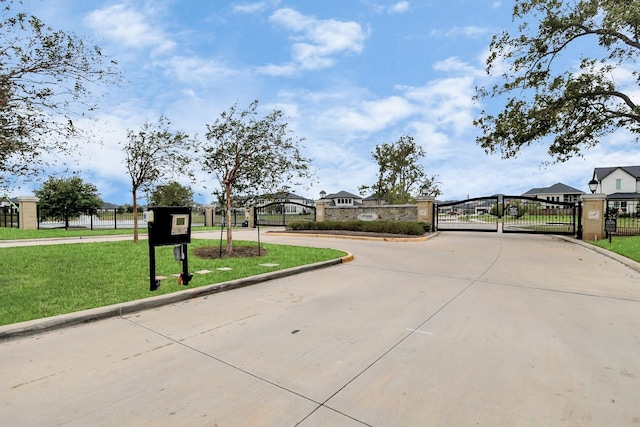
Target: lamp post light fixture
<point>593,186</point>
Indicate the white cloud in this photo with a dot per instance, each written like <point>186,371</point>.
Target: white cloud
<point>316,41</point>
<point>400,7</point>
<point>470,31</point>
<point>129,28</point>
<point>454,64</point>
<point>368,116</point>
<point>447,103</point>
<point>250,7</point>
<point>196,70</point>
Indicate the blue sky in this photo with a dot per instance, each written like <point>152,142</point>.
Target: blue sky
<point>348,74</point>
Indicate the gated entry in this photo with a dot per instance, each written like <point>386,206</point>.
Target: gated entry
<point>283,213</point>
<point>516,214</point>
<point>523,214</point>
<point>479,214</point>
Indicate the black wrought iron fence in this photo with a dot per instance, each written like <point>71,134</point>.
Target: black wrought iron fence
<point>626,213</point>
<point>9,217</point>
<point>111,218</point>
<point>237,217</point>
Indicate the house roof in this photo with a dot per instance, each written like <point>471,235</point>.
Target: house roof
<point>342,195</point>
<point>623,196</point>
<point>284,195</point>
<point>557,188</point>
<point>600,173</point>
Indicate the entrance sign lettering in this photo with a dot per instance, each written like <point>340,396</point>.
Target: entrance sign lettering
<point>369,216</point>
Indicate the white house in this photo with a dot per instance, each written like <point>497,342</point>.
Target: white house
<point>290,208</point>
<point>342,199</point>
<point>618,179</point>
<point>556,193</point>
<point>621,184</point>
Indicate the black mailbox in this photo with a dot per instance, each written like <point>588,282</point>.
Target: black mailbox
<point>169,226</point>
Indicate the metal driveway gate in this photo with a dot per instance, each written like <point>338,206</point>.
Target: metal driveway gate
<point>512,214</point>
<point>521,214</point>
<point>283,213</point>
<point>478,214</point>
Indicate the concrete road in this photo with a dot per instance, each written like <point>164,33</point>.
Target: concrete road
<point>465,329</point>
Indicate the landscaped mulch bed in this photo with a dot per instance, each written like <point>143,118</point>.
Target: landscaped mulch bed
<point>213,252</point>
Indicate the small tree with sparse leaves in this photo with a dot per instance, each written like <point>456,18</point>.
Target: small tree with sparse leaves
<point>153,153</point>
<point>250,155</point>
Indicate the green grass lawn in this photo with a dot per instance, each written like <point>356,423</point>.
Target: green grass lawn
<point>16,234</point>
<point>628,246</point>
<point>42,281</point>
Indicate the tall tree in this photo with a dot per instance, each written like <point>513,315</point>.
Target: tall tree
<point>172,194</point>
<point>560,76</point>
<point>46,77</point>
<point>65,198</point>
<point>155,152</point>
<point>249,155</point>
<point>400,175</point>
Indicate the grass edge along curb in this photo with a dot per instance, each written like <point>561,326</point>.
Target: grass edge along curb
<point>32,327</point>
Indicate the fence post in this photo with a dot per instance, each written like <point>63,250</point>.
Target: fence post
<point>252,217</point>
<point>209,215</point>
<point>425,210</point>
<point>593,216</point>
<point>28,218</point>
<point>320,209</point>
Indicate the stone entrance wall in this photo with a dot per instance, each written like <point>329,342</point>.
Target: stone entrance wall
<point>400,213</point>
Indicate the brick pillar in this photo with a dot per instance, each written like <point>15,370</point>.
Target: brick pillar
<point>320,209</point>
<point>251,217</point>
<point>593,215</point>
<point>209,212</point>
<point>425,209</point>
<point>28,212</point>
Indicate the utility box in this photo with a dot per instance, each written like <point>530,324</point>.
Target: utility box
<point>169,226</point>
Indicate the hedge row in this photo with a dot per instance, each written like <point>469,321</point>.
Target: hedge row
<point>409,228</point>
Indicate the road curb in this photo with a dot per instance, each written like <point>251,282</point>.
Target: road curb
<point>617,257</point>
<point>36,326</point>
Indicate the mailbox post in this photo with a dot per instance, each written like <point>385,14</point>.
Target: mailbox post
<point>169,226</point>
<point>610,226</point>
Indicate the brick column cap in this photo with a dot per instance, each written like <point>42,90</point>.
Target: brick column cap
<point>28,199</point>
<point>597,196</point>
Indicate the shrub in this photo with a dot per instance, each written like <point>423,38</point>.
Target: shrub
<point>409,228</point>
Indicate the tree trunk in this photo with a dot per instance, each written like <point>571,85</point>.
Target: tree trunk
<point>228,218</point>
<point>135,216</point>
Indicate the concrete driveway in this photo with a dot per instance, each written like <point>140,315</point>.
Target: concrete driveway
<point>465,329</point>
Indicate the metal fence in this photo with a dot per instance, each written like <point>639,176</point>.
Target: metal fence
<point>522,214</point>
<point>237,217</point>
<point>9,217</point>
<point>112,218</point>
<point>477,214</point>
<point>283,213</point>
<point>626,213</point>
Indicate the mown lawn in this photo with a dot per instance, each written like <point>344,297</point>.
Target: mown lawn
<point>628,246</point>
<point>47,280</point>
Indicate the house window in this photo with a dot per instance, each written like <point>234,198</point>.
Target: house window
<point>618,184</point>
